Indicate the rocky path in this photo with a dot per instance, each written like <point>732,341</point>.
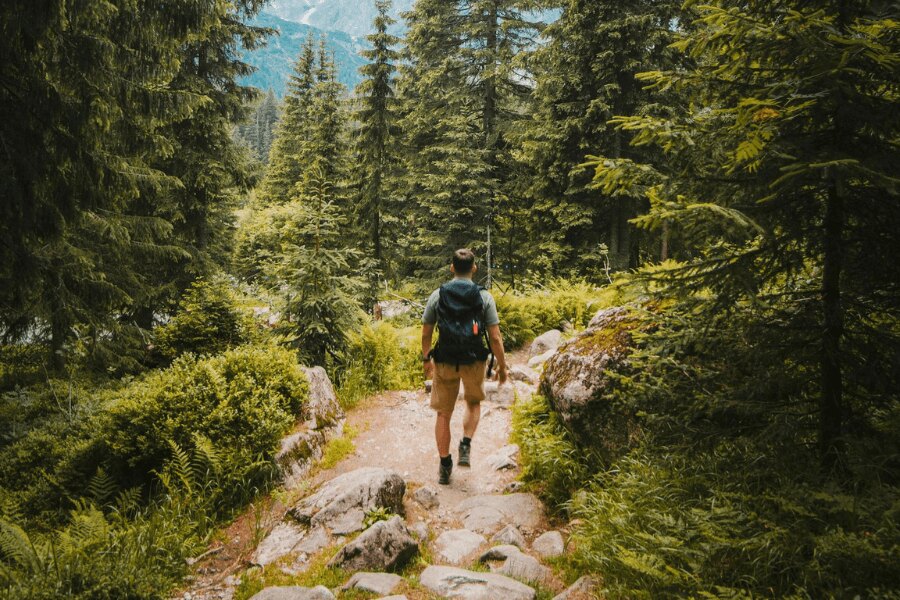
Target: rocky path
<point>478,538</point>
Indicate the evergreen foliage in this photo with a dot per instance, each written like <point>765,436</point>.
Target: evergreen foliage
<point>376,151</point>
<point>258,131</point>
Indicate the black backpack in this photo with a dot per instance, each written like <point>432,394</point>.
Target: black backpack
<point>462,338</point>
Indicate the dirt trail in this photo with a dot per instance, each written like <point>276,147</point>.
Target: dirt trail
<point>394,430</point>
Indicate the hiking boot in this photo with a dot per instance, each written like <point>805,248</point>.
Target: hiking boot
<point>464,450</point>
<point>444,474</point>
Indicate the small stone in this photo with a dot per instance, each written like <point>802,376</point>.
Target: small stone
<point>504,458</point>
<point>536,361</point>
<point>294,592</point>
<point>583,589</point>
<point>524,568</point>
<point>456,545</point>
<point>376,583</point>
<point>451,582</point>
<point>499,553</point>
<point>509,535</point>
<point>549,340</point>
<point>512,486</point>
<point>549,545</point>
<point>427,496</point>
<point>386,545</point>
<point>501,395</point>
<point>523,373</point>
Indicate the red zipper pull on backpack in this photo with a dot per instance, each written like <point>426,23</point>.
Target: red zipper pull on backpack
<point>475,327</point>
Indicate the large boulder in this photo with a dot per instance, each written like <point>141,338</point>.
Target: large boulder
<point>577,383</point>
<point>385,546</point>
<point>451,582</point>
<point>341,504</point>
<point>549,544</point>
<point>321,419</point>
<point>549,340</point>
<point>488,514</point>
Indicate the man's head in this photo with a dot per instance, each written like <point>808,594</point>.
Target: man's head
<point>463,264</point>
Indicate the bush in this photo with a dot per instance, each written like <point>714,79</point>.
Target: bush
<point>560,305</point>
<point>242,401</point>
<point>710,525</point>
<point>379,357</point>
<point>208,322</point>
<point>552,464</point>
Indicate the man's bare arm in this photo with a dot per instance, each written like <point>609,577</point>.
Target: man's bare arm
<point>496,339</point>
<point>427,334</point>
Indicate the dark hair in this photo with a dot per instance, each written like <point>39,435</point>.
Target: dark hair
<point>463,261</point>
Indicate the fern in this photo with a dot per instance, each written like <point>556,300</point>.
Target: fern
<point>102,487</point>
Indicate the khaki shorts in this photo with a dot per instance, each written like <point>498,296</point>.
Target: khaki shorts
<point>445,386</point>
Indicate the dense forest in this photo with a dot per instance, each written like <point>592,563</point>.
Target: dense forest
<point>724,176</point>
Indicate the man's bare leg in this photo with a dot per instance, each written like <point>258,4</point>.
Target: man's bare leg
<point>442,433</point>
<point>470,420</point>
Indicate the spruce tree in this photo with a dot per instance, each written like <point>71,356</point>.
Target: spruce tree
<point>375,146</point>
<point>780,181</point>
<point>461,94</point>
<point>585,75</point>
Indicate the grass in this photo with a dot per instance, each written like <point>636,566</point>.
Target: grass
<point>337,449</point>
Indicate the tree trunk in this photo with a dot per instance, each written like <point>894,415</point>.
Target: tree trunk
<point>831,399</point>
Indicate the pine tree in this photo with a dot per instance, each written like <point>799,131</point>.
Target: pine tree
<point>460,94</point>
<point>313,270</point>
<point>780,180</point>
<point>585,76</point>
<point>289,152</point>
<point>376,141</point>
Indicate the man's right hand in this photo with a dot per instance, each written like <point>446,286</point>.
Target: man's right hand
<point>501,375</point>
<point>429,369</point>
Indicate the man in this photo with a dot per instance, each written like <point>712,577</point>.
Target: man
<point>463,311</point>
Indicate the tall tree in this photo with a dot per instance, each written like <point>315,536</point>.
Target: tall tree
<point>585,76</point>
<point>460,93</point>
<point>781,179</point>
<point>376,141</point>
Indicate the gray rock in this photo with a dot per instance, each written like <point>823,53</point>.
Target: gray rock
<point>419,530</point>
<point>385,546</point>
<point>456,545</point>
<point>536,361</point>
<point>512,487</point>
<point>451,582</point>
<point>509,535</point>
<point>315,539</point>
<point>523,567</point>
<point>504,458</point>
<point>281,541</point>
<point>579,389</point>
<point>516,564</point>
<point>583,589</point>
<point>321,419</point>
<point>487,514</point>
<point>294,592</point>
<point>549,544</point>
<point>427,496</point>
<point>322,408</point>
<point>342,503</point>
<point>501,552</point>
<point>501,395</point>
<point>549,340</point>
<point>523,373</point>
<point>376,583</point>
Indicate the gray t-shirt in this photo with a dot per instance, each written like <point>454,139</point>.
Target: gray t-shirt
<point>489,316</point>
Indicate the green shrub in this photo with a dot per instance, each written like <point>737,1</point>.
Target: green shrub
<point>242,401</point>
<point>208,321</point>
<point>21,365</point>
<point>379,357</point>
<point>710,525</point>
<point>551,463</point>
